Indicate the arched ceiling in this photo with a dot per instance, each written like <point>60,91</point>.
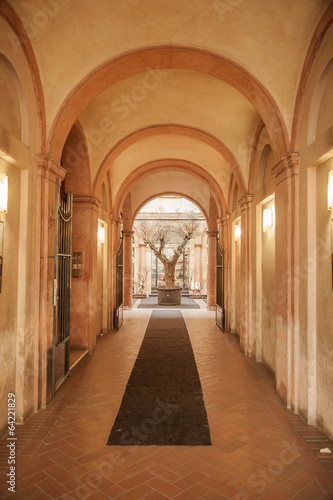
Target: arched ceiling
<point>71,39</point>
<point>181,97</point>
<point>169,147</point>
<point>168,83</point>
<point>180,182</point>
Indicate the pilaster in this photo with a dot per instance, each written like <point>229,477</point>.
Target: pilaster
<point>127,269</point>
<point>287,257</point>
<point>246,334</point>
<point>225,222</point>
<point>47,172</point>
<point>211,271</point>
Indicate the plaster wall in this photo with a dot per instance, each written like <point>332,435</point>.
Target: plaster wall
<point>324,305</point>
<point>9,291</point>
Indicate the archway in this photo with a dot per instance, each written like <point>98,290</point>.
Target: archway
<point>191,266</point>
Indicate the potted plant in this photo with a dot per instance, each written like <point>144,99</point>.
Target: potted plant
<point>167,236</point>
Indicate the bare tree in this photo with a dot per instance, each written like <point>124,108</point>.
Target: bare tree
<point>168,236</point>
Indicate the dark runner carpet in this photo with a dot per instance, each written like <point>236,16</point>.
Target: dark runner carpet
<point>163,402</point>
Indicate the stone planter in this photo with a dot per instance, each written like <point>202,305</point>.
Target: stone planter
<point>169,296</point>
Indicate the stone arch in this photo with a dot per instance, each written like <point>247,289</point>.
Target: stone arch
<point>169,165</point>
<point>321,105</point>
<point>315,45</point>
<point>172,193</point>
<point>166,57</point>
<point>169,129</point>
<point>22,40</point>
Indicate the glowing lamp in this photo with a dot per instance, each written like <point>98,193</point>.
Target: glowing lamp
<point>3,192</point>
<point>267,219</point>
<point>237,232</point>
<point>101,234</point>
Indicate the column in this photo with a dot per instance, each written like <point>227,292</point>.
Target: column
<point>127,269</point>
<point>287,285</point>
<point>84,294</point>
<point>115,231</point>
<point>211,271</point>
<point>47,170</point>
<point>225,221</point>
<point>246,340</point>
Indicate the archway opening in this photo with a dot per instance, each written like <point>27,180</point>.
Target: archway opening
<point>190,271</point>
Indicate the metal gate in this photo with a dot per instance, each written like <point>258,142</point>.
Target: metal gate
<point>62,287</point>
<point>118,313</point>
<point>220,311</point>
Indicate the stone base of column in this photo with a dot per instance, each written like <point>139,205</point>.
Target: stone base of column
<point>211,308</point>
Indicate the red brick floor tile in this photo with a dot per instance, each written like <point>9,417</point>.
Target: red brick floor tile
<point>196,491</point>
<point>109,488</point>
<point>140,491</point>
<point>164,473</point>
<point>219,487</point>
<point>52,487</point>
<point>133,481</point>
<point>164,487</point>
<point>31,480</point>
<point>310,492</point>
<point>155,495</point>
<point>190,480</point>
<point>325,479</point>
<point>300,479</point>
<point>98,496</point>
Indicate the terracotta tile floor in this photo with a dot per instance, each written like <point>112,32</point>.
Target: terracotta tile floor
<point>260,449</point>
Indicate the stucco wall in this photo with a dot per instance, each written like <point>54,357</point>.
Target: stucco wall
<point>9,291</point>
<point>324,305</point>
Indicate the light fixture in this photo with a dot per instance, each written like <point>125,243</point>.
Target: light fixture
<point>267,219</point>
<point>330,190</point>
<point>101,234</point>
<point>3,192</point>
<point>237,232</point>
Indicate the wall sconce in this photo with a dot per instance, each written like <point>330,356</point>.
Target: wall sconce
<point>267,219</point>
<point>101,234</point>
<point>330,190</point>
<point>3,192</point>
<point>237,232</point>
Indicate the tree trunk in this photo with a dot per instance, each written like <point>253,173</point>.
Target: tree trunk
<point>169,271</point>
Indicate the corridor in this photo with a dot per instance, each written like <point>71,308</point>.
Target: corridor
<point>260,450</point>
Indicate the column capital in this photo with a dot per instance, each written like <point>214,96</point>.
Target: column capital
<point>49,168</point>
<point>286,167</point>
<point>114,219</point>
<point>86,200</point>
<point>246,202</point>
<point>225,219</point>
<point>211,234</point>
<point>128,233</point>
